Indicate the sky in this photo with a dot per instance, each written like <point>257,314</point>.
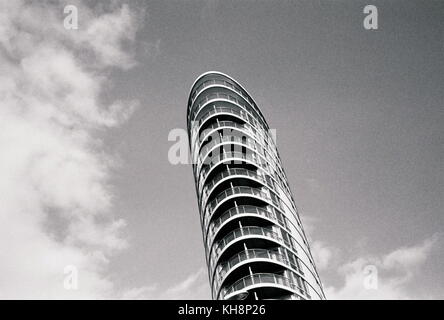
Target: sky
<point>85,116</point>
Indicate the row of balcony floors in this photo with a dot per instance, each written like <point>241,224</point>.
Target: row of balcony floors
<point>260,226</point>
<point>267,272</point>
<point>237,173</point>
<point>259,195</point>
<point>244,151</point>
<point>247,216</point>
<point>226,129</point>
<point>241,208</point>
<point>224,98</point>
<point>248,245</point>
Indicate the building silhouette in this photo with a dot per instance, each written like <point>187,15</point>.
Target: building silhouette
<point>256,247</point>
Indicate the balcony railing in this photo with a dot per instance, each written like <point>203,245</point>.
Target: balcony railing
<point>275,255</point>
<point>211,82</point>
<point>226,173</point>
<point>242,142</point>
<point>229,173</point>
<point>219,124</point>
<point>259,193</point>
<point>261,278</point>
<point>224,123</point>
<point>241,232</point>
<point>245,108</point>
<point>250,105</point>
<point>239,110</point>
<point>267,212</point>
<point>246,127</point>
<point>231,110</point>
<point>236,156</point>
<point>247,141</point>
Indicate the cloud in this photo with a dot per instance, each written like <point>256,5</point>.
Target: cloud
<point>55,197</point>
<point>194,287</point>
<point>322,254</point>
<point>383,277</point>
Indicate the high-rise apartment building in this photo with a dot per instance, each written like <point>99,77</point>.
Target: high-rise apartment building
<point>255,244</point>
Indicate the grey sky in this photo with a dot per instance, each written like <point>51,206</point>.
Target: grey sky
<point>359,118</point>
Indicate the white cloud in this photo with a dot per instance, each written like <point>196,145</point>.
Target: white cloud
<point>394,272</point>
<point>322,254</point>
<point>55,198</point>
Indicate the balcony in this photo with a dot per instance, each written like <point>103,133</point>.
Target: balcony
<point>224,123</point>
<point>261,280</point>
<point>231,139</point>
<point>246,127</point>
<point>213,82</point>
<point>242,108</point>
<point>250,142</point>
<point>234,156</point>
<point>268,212</point>
<point>249,256</point>
<point>212,207</point>
<point>233,173</point>
<point>222,108</point>
<point>248,104</point>
<point>249,231</point>
<point>214,97</point>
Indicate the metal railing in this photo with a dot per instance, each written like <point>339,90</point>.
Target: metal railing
<point>210,208</point>
<point>229,173</point>
<point>227,155</point>
<point>246,127</point>
<point>250,103</point>
<point>268,212</point>
<point>240,232</point>
<point>224,268</point>
<point>261,278</point>
<point>211,82</point>
<point>236,156</point>
<point>247,141</point>
<point>217,96</point>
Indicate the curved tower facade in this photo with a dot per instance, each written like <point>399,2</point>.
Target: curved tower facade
<point>255,244</point>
